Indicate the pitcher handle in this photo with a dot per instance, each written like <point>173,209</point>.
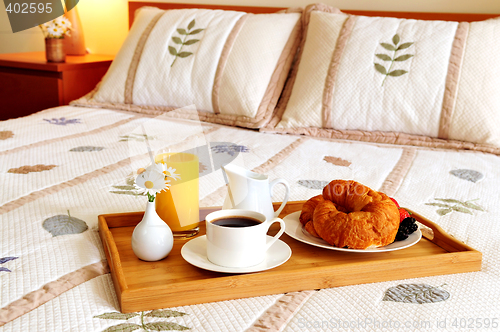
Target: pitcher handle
<point>285,200</point>
<point>277,236</point>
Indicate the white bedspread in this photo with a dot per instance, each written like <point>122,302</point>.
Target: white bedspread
<point>77,162</point>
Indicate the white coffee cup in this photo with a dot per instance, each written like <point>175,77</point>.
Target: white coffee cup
<point>241,246</point>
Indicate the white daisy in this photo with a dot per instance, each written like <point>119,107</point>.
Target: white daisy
<point>152,167</point>
<point>55,32</point>
<point>152,182</point>
<point>171,173</point>
<point>167,171</point>
<point>160,167</point>
<point>63,22</point>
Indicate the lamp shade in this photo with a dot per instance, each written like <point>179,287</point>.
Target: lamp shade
<point>75,43</point>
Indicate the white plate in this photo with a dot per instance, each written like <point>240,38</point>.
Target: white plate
<point>195,253</point>
<point>295,230</point>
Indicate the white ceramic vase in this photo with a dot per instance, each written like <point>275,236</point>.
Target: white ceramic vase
<point>152,239</point>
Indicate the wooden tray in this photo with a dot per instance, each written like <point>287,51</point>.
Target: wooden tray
<point>172,281</point>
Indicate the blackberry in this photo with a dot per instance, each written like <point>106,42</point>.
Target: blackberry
<point>406,227</point>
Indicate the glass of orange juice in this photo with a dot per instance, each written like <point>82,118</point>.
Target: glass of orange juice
<point>179,206</point>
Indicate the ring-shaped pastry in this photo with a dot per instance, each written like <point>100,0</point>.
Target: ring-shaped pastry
<point>351,215</point>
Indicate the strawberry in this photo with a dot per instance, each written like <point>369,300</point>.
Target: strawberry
<point>403,214</point>
<point>392,199</point>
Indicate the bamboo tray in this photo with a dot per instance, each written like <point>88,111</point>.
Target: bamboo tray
<point>173,282</point>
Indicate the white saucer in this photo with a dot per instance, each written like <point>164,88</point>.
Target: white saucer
<point>295,230</point>
<point>195,253</point>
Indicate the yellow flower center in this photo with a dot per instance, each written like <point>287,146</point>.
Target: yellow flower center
<point>148,184</point>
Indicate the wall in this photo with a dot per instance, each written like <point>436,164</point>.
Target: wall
<point>105,25</point>
<point>105,21</point>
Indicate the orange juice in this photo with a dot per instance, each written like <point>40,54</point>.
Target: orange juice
<point>179,206</point>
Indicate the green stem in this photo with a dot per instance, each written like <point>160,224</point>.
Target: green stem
<point>142,321</point>
<point>390,67</point>
<point>180,49</point>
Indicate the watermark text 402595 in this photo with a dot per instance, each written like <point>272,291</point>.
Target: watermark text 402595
<point>29,8</point>
<point>26,14</point>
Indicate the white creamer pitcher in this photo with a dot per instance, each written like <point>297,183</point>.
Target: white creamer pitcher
<point>251,191</point>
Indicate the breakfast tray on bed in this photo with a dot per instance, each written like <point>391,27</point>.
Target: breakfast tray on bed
<point>173,282</point>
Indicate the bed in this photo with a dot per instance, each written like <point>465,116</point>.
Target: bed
<point>431,141</point>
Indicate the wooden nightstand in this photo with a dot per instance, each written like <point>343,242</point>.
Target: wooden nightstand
<point>28,83</point>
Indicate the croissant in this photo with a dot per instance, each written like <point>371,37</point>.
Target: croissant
<point>308,209</point>
<point>354,216</point>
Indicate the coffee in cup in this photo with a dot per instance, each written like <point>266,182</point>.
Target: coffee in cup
<point>238,238</point>
<point>236,222</point>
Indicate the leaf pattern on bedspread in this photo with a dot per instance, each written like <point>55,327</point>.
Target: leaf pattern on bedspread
<point>229,148</point>
<point>448,205</point>
<point>5,260</point>
<point>337,161</point>
<point>116,315</point>
<point>394,47</point>
<point>467,174</point>
<point>86,149</point>
<point>313,184</point>
<point>124,327</point>
<point>152,326</point>
<point>29,169</point>
<point>202,168</point>
<point>62,121</point>
<point>136,137</point>
<point>6,134</point>
<point>128,188</point>
<point>164,313</point>
<point>416,293</point>
<point>183,42</point>
<point>64,224</point>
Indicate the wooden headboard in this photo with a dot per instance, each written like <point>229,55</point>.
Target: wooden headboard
<point>459,17</point>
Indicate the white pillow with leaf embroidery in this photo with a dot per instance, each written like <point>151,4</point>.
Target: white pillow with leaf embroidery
<point>231,65</point>
<point>395,80</point>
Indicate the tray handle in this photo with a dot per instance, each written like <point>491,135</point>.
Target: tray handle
<point>112,253</point>
<point>438,235</point>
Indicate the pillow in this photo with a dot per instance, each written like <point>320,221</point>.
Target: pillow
<point>402,81</point>
<point>231,65</point>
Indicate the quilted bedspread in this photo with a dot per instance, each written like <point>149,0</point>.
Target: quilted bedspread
<point>62,167</point>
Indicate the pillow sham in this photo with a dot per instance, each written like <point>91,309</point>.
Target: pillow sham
<point>231,65</point>
<point>389,80</point>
